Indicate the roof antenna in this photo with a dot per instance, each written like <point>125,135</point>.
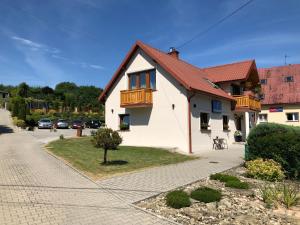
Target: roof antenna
<point>285,56</point>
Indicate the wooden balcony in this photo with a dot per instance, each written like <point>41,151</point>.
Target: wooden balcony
<point>136,98</point>
<point>246,103</point>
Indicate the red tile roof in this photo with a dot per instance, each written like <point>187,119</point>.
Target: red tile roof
<point>191,77</point>
<point>277,91</point>
<point>229,72</point>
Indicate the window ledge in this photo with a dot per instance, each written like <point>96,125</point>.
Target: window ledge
<point>292,121</point>
<point>205,130</point>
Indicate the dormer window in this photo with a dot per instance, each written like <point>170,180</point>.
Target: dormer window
<point>263,81</point>
<point>289,79</point>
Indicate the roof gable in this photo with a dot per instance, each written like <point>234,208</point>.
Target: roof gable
<point>230,72</point>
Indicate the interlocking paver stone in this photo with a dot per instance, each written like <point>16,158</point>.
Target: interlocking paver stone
<point>37,188</point>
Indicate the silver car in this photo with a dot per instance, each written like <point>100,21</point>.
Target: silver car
<point>61,123</point>
<point>45,123</point>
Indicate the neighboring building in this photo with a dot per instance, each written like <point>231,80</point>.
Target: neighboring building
<point>156,99</point>
<point>281,94</point>
<point>4,99</point>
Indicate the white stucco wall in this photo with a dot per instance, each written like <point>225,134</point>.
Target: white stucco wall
<point>202,141</point>
<point>159,125</point>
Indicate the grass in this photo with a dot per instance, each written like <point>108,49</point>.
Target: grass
<point>223,177</point>
<point>84,156</point>
<point>237,184</point>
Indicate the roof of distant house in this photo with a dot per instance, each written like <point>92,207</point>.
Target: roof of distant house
<point>282,84</point>
<point>191,77</point>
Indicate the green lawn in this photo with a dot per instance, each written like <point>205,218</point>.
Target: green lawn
<point>84,156</point>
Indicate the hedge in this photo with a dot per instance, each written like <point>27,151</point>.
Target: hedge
<point>278,142</point>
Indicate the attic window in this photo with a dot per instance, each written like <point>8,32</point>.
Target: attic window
<point>212,84</point>
<point>289,79</point>
<point>263,81</point>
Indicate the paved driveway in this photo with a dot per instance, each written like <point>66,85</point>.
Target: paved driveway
<point>36,188</point>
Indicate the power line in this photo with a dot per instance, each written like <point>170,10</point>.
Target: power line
<point>215,24</point>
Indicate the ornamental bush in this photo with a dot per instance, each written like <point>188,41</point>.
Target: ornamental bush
<point>237,184</point>
<point>265,170</point>
<point>278,142</point>
<point>178,199</point>
<point>206,195</point>
<point>223,177</point>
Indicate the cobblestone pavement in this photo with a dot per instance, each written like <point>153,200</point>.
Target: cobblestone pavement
<point>144,184</point>
<point>36,188</point>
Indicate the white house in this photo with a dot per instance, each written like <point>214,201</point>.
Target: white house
<point>156,99</point>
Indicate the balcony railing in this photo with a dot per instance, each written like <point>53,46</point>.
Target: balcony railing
<point>245,102</point>
<point>136,98</point>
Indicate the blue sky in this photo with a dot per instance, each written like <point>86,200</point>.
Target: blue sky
<point>84,41</point>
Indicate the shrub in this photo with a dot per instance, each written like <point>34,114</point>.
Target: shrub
<point>20,123</point>
<point>278,142</point>
<point>61,137</point>
<point>206,194</point>
<point>178,199</point>
<point>237,184</point>
<point>107,139</point>
<point>265,170</point>
<point>223,177</point>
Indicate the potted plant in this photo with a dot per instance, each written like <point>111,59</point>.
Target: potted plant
<point>238,136</point>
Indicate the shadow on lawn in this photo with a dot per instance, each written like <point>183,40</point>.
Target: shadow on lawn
<point>115,163</point>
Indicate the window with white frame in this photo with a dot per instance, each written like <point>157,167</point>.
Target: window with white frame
<point>263,117</point>
<point>292,116</point>
<point>204,121</point>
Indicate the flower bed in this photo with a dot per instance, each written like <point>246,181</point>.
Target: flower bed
<point>237,206</point>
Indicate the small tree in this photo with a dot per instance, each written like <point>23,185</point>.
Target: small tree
<point>107,139</point>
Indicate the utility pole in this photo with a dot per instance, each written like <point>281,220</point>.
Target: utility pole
<point>285,56</point>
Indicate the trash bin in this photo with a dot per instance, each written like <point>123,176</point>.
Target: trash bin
<point>79,131</point>
<point>246,152</point>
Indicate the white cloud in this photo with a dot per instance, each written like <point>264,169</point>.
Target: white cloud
<point>35,46</point>
<point>96,67</point>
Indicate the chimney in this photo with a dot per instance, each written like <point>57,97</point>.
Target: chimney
<point>174,53</point>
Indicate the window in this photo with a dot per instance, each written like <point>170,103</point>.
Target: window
<point>289,79</point>
<point>124,121</point>
<point>145,79</point>
<point>132,82</point>
<point>235,89</point>
<point>204,121</point>
<point>263,81</point>
<point>292,116</point>
<point>225,123</point>
<point>152,80</point>
<point>263,117</point>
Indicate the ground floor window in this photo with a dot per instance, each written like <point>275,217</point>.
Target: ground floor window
<point>263,117</point>
<point>225,123</point>
<point>292,116</point>
<point>124,121</point>
<point>204,121</point>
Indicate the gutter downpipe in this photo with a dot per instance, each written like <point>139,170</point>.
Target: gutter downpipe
<point>189,122</point>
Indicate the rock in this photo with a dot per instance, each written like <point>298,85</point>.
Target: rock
<point>224,202</point>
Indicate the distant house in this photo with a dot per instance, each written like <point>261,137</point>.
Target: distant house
<point>281,94</point>
<point>156,99</point>
<point>4,99</point>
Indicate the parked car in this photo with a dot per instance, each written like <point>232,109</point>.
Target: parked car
<point>93,124</point>
<point>61,123</point>
<point>45,123</point>
<point>77,124</point>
